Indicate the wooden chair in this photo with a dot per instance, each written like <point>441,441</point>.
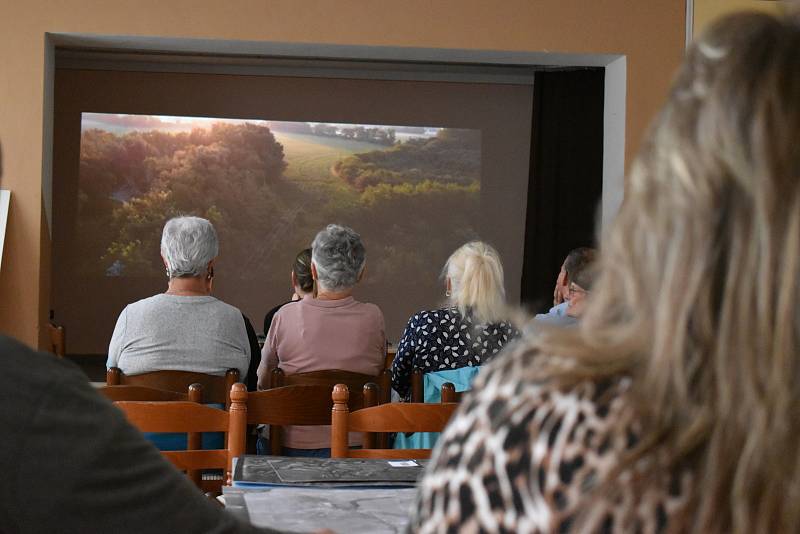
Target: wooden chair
<point>194,418</point>
<point>142,393</point>
<point>392,417</point>
<point>58,339</point>
<point>449,393</point>
<point>356,382</point>
<point>215,388</point>
<point>391,352</point>
<point>298,405</point>
<point>329,378</point>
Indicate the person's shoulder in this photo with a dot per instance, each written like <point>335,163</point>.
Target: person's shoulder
<point>536,377</point>
<point>146,303</point>
<point>567,431</point>
<point>368,308</point>
<point>288,308</point>
<point>435,315</point>
<point>36,371</point>
<point>275,309</point>
<point>223,308</point>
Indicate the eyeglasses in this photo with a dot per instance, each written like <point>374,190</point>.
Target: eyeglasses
<point>575,289</point>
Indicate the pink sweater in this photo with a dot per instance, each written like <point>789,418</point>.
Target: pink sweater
<point>317,335</point>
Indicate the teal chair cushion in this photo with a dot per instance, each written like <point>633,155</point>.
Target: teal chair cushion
<point>461,378</point>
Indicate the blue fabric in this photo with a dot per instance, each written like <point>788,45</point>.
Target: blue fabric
<point>557,316</point>
<point>176,441</point>
<point>460,378</point>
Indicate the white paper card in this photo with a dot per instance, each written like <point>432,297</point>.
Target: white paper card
<point>403,463</point>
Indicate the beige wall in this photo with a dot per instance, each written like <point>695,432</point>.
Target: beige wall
<point>651,34</point>
<point>706,11</point>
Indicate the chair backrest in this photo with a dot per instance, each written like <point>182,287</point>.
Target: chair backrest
<point>142,393</point>
<point>426,387</point>
<point>58,339</point>
<point>449,393</point>
<point>366,388</point>
<point>297,405</point>
<point>215,388</point>
<point>329,378</point>
<point>392,417</point>
<point>194,418</point>
<point>391,352</point>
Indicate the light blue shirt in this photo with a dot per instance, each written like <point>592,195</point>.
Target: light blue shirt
<point>556,316</point>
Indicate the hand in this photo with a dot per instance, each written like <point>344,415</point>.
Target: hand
<point>561,284</point>
<point>558,298</point>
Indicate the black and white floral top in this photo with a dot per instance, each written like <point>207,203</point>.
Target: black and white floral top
<point>443,339</point>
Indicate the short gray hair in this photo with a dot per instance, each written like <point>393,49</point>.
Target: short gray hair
<point>339,256</point>
<point>187,245</point>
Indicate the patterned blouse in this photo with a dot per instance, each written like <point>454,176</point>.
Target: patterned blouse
<point>443,339</point>
<point>522,455</point>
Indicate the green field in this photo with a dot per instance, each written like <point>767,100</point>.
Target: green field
<point>310,157</point>
<point>309,160</point>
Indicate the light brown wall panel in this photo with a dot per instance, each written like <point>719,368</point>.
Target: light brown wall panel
<point>650,34</point>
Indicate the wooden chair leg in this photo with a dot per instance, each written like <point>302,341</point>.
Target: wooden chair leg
<point>275,440</point>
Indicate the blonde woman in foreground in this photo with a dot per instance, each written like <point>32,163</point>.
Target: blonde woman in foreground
<point>675,406</point>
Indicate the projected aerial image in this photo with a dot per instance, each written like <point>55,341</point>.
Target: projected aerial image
<point>411,191</point>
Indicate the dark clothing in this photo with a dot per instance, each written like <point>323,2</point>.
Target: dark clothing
<point>255,356</point>
<point>438,340</point>
<point>72,463</point>
<point>270,314</point>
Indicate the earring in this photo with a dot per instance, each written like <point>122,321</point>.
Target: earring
<point>210,274</point>
<point>169,274</point>
<point>447,293</point>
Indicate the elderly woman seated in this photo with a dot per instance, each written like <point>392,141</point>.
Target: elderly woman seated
<point>185,328</point>
<point>469,330</point>
<point>331,330</point>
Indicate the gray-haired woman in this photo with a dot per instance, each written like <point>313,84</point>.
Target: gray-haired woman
<point>185,328</point>
<point>328,331</point>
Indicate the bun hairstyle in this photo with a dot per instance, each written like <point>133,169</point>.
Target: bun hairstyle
<point>302,270</point>
<point>476,282</point>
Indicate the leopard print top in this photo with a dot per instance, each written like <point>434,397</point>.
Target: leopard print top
<point>522,456</point>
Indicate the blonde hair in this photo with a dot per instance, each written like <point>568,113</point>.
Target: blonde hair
<point>476,279</point>
<point>699,284</point>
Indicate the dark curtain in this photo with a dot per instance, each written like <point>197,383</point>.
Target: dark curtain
<point>566,178</point>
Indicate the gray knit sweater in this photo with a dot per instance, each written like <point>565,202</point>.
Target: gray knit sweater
<point>171,332</point>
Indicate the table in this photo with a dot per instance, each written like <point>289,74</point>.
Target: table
<point>307,494</point>
<point>346,511</point>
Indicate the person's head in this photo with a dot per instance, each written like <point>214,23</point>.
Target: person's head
<point>337,258</point>
<point>575,261</point>
<point>474,278</point>
<point>700,279</point>
<point>580,279</point>
<point>302,281</point>
<point>188,247</point>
